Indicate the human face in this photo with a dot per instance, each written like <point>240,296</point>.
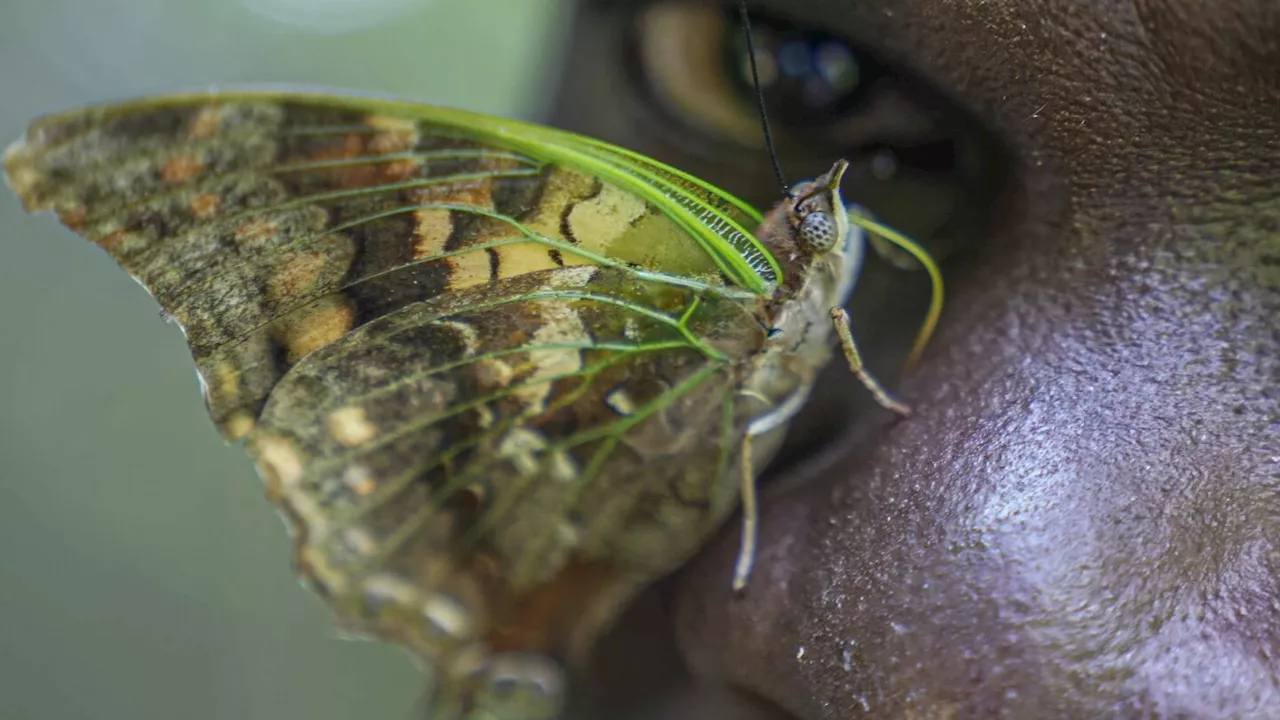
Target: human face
<point>1082,518</point>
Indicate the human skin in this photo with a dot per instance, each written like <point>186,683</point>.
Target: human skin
<point>1082,517</point>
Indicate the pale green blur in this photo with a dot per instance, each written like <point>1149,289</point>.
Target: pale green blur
<point>142,574</point>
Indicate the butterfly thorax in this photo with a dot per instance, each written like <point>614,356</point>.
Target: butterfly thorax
<point>820,273</point>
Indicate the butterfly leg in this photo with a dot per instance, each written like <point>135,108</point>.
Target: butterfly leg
<point>750,520</point>
<point>762,425</point>
<point>840,319</point>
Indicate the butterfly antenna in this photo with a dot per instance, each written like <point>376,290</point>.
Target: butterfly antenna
<point>764,115</point>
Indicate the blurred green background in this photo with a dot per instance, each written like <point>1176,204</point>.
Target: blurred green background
<point>142,574</point>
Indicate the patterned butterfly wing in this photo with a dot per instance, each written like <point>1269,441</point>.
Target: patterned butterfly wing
<point>487,369</point>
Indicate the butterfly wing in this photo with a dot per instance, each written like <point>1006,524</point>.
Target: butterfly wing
<point>486,369</point>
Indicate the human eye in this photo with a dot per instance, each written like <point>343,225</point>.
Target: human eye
<point>671,78</point>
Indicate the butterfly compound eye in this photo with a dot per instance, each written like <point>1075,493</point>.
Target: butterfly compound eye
<point>517,686</point>
<point>818,231</point>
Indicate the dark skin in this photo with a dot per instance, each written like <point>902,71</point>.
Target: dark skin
<point>1082,517</point>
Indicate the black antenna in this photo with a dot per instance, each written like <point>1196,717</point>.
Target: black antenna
<point>764,116</point>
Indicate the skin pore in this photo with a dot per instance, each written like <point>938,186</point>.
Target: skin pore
<point>1082,517</point>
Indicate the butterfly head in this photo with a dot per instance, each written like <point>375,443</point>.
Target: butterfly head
<point>824,241</point>
<point>819,215</point>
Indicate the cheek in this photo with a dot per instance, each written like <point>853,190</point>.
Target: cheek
<point>1089,480</point>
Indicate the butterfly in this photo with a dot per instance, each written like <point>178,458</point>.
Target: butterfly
<point>497,377</point>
